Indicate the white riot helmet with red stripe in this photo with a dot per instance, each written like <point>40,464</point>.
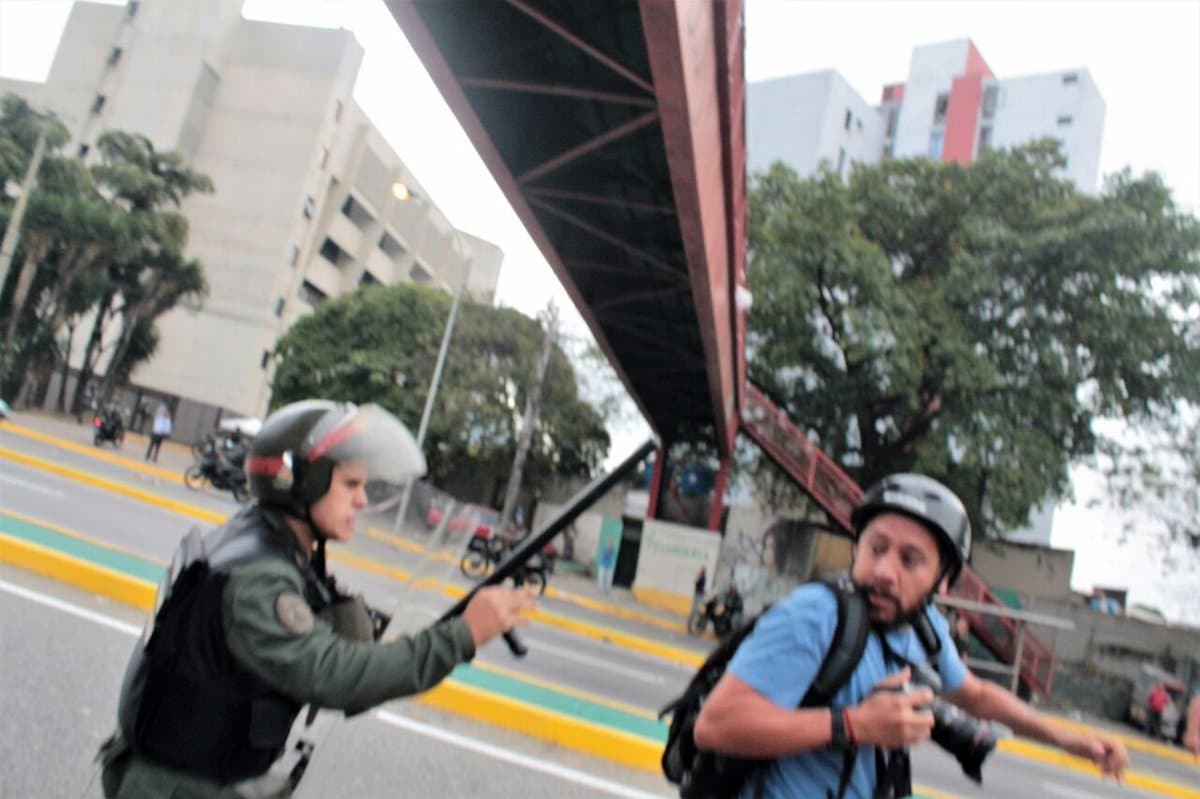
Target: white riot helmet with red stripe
<point>292,458</point>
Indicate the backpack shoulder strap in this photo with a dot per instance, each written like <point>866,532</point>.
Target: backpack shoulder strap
<point>849,641</point>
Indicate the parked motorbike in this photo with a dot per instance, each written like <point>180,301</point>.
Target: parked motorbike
<point>724,611</point>
<point>485,552</point>
<point>108,425</point>
<point>218,470</point>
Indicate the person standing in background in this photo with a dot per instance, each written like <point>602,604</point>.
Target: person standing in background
<point>161,428</point>
<point>699,589</point>
<point>604,566</point>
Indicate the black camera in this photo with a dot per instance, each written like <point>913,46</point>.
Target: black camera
<point>965,737</point>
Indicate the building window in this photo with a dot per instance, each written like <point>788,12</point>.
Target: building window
<point>841,167</point>
<point>324,156</point>
<point>368,279</point>
<point>266,359</point>
<point>310,294</point>
<point>891,123</point>
<point>83,150</point>
<point>114,56</point>
<point>985,139</point>
<point>279,303</point>
<point>337,110</point>
<point>98,103</point>
<point>846,122</point>
<point>310,207</point>
<point>391,247</point>
<point>131,8</point>
<point>887,152</point>
<point>989,102</point>
<point>1064,120</point>
<point>940,106</point>
<point>1070,77</point>
<point>295,256</point>
<point>330,251</point>
<point>935,145</point>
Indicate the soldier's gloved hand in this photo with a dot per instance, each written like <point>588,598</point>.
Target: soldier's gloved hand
<point>893,716</point>
<point>497,610</point>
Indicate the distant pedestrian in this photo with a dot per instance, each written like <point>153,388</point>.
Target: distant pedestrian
<point>161,428</point>
<point>1156,704</point>
<point>604,566</point>
<point>699,588</point>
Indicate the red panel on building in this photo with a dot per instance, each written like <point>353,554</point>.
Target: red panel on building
<point>962,118</point>
<point>893,92</point>
<point>975,63</point>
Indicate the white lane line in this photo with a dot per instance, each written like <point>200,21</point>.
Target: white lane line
<point>600,663</point>
<point>1070,793</point>
<point>579,777</point>
<point>509,756</point>
<point>41,489</point>
<point>67,607</point>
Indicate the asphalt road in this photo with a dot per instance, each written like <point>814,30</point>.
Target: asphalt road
<point>63,657</point>
<point>61,671</point>
<point>594,666</point>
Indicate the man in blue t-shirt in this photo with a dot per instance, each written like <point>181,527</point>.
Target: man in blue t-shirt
<point>912,537</point>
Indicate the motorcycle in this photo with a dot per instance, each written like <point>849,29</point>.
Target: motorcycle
<point>724,611</point>
<point>221,472</point>
<point>485,552</point>
<point>108,426</point>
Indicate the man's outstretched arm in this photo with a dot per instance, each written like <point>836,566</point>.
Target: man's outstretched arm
<point>986,700</point>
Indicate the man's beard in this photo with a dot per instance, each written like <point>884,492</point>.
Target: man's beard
<point>900,614</point>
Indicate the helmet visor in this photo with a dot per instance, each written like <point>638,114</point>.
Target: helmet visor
<point>371,436</point>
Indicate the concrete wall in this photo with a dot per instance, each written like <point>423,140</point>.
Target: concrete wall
<point>1027,570</point>
<point>670,557</point>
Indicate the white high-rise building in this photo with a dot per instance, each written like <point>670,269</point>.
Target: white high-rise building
<point>304,206</point>
<point>951,108</point>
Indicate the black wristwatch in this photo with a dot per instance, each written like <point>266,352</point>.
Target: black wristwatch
<point>838,737</point>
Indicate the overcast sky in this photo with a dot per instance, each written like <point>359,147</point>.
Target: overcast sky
<point>1144,57</point>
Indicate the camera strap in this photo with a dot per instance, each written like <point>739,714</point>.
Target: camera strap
<point>893,767</point>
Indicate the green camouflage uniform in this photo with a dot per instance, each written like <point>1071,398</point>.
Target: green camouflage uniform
<point>271,632</point>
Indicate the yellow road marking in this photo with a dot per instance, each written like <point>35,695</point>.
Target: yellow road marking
<point>91,452</point>
<point>1057,757</point>
<point>1131,742</point>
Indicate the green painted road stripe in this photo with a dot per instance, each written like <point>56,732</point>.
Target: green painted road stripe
<point>84,550</point>
<point>549,699</point>
<point>515,688</point>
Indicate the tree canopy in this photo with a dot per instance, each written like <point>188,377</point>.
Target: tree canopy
<point>972,322</point>
<point>380,344</point>
<point>108,241</point>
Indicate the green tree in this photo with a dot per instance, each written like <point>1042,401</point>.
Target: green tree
<point>380,345</point>
<point>971,322</point>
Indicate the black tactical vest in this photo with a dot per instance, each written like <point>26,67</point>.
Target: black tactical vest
<point>185,702</point>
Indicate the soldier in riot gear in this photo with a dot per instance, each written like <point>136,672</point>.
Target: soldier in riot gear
<point>912,538</point>
<point>249,627</point>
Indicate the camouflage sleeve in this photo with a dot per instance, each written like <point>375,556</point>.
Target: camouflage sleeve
<point>272,632</point>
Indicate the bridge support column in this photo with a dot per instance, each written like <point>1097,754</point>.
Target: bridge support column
<point>718,496</point>
<point>660,468</point>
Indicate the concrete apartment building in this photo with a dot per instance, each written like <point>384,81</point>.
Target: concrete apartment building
<point>304,207</point>
<point>951,108</point>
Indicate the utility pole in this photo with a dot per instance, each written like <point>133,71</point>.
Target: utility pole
<point>533,403</point>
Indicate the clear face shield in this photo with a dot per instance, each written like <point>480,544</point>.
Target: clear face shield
<point>372,437</point>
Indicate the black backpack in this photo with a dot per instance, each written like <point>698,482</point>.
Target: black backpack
<point>701,774</point>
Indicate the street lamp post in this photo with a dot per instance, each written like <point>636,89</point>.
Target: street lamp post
<point>401,192</point>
